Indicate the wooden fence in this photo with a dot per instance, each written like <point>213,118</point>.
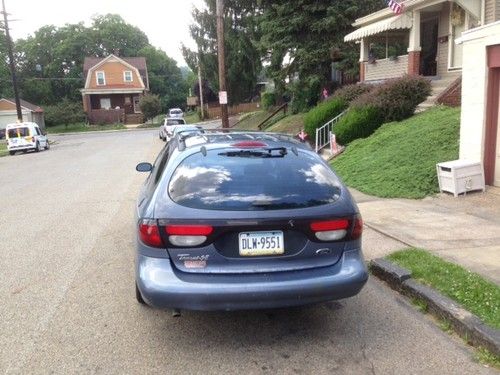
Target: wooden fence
<point>214,112</point>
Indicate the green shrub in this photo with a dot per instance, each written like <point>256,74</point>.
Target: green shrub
<point>150,106</point>
<point>321,114</point>
<point>397,98</point>
<point>305,94</point>
<point>351,92</point>
<point>358,122</point>
<point>268,100</point>
<point>64,113</point>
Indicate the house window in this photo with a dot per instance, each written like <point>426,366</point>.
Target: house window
<point>100,78</point>
<point>105,103</point>
<point>127,76</point>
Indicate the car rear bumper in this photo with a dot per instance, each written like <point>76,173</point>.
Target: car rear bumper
<point>163,287</point>
<point>21,147</point>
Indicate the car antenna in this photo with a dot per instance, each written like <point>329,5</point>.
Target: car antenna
<point>203,150</point>
<point>294,150</point>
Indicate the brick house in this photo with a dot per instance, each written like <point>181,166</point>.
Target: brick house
<point>113,88</point>
<point>420,41</point>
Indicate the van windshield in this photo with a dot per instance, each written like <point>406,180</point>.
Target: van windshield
<point>18,132</point>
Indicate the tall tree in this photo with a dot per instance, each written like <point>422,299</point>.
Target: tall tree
<point>50,61</point>
<point>165,78</point>
<point>243,63</point>
<point>298,36</point>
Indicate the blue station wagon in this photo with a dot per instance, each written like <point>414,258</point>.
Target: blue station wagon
<point>243,220</point>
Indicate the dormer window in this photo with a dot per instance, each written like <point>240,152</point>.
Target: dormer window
<point>127,76</point>
<point>100,78</point>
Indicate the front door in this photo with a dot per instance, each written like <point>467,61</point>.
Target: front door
<point>429,39</point>
<point>137,109</point>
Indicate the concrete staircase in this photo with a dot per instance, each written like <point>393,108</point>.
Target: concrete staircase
<point>438,87</point>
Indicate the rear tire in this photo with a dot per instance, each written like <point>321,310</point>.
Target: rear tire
<point>138,296</point>
<point>37,147</point>
<point>12,152</point>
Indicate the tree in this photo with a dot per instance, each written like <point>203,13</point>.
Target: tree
<point>298,36</point>
<point>243,63</point>
<point>165,78</point>
<point>50,62</point>
<point>150,106</point>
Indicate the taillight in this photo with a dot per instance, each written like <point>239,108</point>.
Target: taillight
<point>357,231</point>
<point>188,235</point>
<point>33,139</point>
<point>330,230</point>
<point>149,233</point>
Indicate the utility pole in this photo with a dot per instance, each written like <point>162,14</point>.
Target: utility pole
<point>11,63</point>
<point>222,63</point>
<point>200,87</point>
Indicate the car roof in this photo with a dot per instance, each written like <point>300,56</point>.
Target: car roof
<point>20,125</point>
<point>219,138</point>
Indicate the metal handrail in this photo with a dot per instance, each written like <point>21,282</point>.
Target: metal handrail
<point>323,133</point>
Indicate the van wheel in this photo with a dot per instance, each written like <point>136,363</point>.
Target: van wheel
<point>12,152</point>
<point>138,296</point>
<point>47,145</point>
<point>37,148</point>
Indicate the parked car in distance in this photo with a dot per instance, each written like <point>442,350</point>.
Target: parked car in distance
<point>244,220</point>
<point>25,136</point>
<point>183,130</point>
<point>168,127</point>
<point>175,113</point>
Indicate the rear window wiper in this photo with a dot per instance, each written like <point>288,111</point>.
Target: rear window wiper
<point>276,152</point>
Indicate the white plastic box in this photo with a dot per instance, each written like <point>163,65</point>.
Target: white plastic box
<point>460,176</point>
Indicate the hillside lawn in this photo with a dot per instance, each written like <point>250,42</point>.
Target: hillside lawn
<point>399,159</point>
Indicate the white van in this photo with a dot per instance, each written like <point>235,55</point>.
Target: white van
<point>25,136</point>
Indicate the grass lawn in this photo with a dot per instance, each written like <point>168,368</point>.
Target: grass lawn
<point>399,159</point>
<point>251,120</point>
<point>474,293</point>
<point>81,127</point>
<point>291,124</point>
<point>3,148</point>
<point>192,118</point>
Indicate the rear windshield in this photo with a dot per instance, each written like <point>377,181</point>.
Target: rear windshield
<point>222,181</point>
<point>175,122</point>
<point>175,111</point>
<point>23,132</point>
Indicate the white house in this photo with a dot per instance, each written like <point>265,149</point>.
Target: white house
<point>479,127</point>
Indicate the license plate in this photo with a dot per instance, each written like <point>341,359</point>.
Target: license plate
<point>261,243</point>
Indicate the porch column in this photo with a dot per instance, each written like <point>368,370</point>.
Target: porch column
<point>414,46</point>
<point>363,58</point>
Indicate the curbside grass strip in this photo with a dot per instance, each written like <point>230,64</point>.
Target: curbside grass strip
<point>466,324</point>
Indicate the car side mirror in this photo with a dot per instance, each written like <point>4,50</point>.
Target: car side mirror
<point>144,167</point>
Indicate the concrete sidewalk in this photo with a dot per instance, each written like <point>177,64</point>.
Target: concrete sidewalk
<point>463,230</point>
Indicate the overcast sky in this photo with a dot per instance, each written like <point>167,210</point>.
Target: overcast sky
<point>166,23</point>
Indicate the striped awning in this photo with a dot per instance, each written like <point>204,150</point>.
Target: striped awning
<point>402,21</point>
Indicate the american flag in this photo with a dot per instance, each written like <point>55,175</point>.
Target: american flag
<point>395,6</point>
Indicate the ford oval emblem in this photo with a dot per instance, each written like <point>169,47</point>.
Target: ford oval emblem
<point>323,251</point>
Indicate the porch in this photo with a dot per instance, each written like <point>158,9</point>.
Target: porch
<point>420,41</point>
<point>112,108</point>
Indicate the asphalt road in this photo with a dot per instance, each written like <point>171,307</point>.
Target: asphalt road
<point>67,288</point>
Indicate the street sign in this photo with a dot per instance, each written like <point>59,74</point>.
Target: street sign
<point>222,97</point>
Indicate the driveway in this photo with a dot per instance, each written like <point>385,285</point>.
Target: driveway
<point>67,288</point>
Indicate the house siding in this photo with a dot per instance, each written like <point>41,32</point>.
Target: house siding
<point>113,72</point>
<point>492,11</point>
<point>386,68</point>
<point>474,91</point>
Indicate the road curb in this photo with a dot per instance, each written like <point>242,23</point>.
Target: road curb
<point>467,325</point>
